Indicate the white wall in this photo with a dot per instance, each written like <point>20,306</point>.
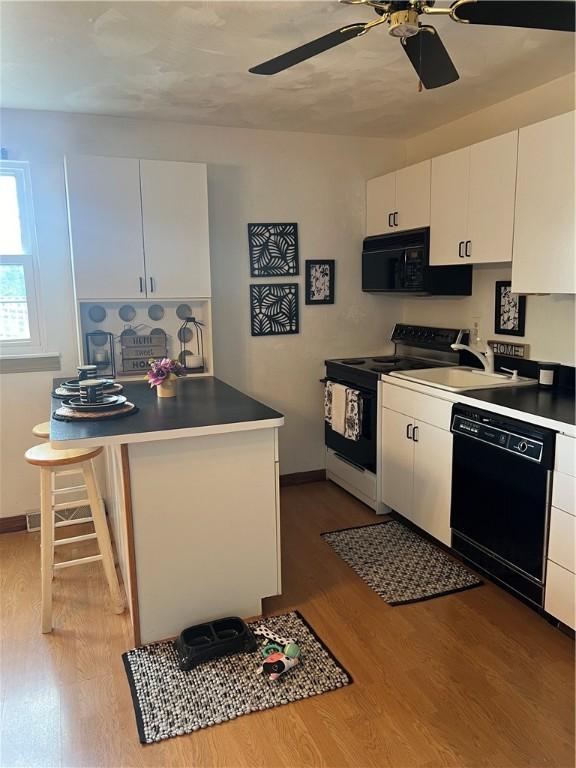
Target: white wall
<point>317,181</point>
<point>550,320</point>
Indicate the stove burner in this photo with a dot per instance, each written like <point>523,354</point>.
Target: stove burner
<point>353,362</point>
<point>389,360</point>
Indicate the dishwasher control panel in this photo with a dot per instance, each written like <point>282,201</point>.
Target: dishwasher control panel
<point>482,428</point>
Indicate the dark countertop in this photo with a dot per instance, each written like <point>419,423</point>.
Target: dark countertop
<point>557,405</point>
<point>199,405</point>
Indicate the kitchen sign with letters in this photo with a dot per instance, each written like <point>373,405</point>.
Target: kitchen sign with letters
<point>510,349</point>
<point>138,350</point>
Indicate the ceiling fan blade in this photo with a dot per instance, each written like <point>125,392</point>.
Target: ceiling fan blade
<point>308,50</point>
<point>533,14</point>
<point>429,58</point>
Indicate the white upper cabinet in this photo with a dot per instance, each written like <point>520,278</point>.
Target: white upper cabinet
<point>413,196</point>
<point>399,200</point>
<point>105,227</point>
<point>380,204</point>
<point>544,258</point>
<point>491,199</point>
<point>472,211</point>
<point>175,227</point>
<point>138,228</point>
<point>449,207</point>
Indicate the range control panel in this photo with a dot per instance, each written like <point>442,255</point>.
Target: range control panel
<point>429,337</point>
<point>524,446</point>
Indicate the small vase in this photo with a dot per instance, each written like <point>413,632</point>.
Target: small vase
<point>167,388</point>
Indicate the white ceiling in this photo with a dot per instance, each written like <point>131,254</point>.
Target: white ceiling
<point>189,61</point>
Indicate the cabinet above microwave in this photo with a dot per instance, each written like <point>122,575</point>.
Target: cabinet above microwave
<point>399,263</point>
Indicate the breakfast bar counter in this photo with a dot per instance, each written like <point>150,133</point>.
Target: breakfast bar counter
<point>192,497</point>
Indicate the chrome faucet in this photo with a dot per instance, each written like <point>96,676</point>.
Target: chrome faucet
<point>486,357</point>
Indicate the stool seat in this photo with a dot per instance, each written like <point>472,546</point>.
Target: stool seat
<point>45,456</point>
<point>42,430</point>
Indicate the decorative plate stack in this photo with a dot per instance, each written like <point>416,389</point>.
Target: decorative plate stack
<point>104,402</point>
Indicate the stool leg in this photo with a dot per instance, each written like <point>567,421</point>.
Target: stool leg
<point>101,528</point>
<point>46,546</point>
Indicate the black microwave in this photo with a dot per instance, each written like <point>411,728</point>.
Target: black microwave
<point>399,263</point>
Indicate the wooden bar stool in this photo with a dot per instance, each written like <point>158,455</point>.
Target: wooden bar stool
<point>43,432</point>
<point>49,460</point>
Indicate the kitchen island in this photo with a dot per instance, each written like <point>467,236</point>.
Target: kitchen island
<point>192,496</point>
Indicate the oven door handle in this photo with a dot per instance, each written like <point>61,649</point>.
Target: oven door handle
<point>366,393</point>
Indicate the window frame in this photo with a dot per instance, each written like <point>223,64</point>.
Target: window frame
<point>20,170</point>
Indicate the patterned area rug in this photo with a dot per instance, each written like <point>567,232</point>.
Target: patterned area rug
<point>168,702</point>
<point>398,564</point>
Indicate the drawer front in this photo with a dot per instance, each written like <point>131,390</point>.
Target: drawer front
<point>562,541</point>
<point>563,491</point>
<point>565,455</point>
<point>560,594</point>
<point>431,410</point>
<point>365,482</point>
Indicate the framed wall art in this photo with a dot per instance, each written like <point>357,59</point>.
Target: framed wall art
<point>273,250</point>
<point>274,309</point>
<point>319,283</point>
<point>510,314</point>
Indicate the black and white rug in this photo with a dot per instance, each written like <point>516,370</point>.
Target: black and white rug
<point>168,702</point>
<point>399,565</point>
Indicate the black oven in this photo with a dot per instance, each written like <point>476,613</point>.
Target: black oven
<point>360,453</point>
<point>501,485</point>
<point>399,262</point>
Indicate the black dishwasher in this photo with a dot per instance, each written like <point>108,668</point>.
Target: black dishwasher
<point>501,487</point>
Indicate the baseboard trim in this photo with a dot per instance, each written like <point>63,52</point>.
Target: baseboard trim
<point>299,478</point>
<point>12,524</point>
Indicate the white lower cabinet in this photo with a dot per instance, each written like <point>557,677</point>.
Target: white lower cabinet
<point>397,456</point>
<point>432,488</point>
<point>560,600</point>
<point>561,594</point>
<point>416,462</point>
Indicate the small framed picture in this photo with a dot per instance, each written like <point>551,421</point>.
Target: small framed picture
<point>320,279</point>
<point>510,314</point>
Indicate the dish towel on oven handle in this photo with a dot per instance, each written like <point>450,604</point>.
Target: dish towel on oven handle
<point>343,410</point>
<point>353,419</point>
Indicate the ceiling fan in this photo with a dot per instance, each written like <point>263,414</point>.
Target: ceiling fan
<point>421,42</point>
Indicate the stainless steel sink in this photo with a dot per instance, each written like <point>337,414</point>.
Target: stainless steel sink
<point>459,378</point>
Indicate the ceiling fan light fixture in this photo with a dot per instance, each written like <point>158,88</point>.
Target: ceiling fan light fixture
<point>404,23</point>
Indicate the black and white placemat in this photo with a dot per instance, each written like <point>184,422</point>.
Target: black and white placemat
<point>169,702</point>
<point>398,564</point>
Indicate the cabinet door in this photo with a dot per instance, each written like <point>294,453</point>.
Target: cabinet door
<point>397,457</point>
<point>449,207</point>
<point>105,218</point>
<point>413,196</point>
<point>560,599</point>
<point>175,226</point>
<point>380,204</point>
<point>543,254</point>
<point>432,480</point>
<point>491,202</point>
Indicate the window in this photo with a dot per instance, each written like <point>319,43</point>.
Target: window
<point>19,326</point>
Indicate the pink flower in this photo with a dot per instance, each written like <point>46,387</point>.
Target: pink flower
<point>163,369</point>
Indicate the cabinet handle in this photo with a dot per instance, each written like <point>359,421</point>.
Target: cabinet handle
<point>409,428</point>
<point>415,435</point>
<point>468,245</point>
<point>390,223</point>
<point>460,254</point>
<point>141,285</point>
<point>151,285</point>
<point>395,218</point>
